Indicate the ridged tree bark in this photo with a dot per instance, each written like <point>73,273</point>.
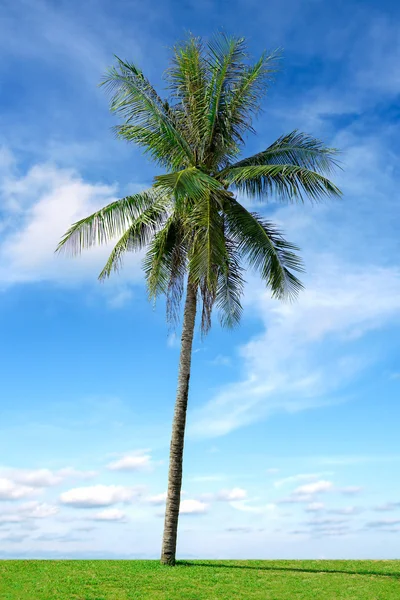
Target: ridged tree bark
<point>178,431</point>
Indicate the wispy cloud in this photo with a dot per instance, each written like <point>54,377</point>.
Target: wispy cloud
<point>9,490</point>
<point>98,496</point>
<point>43,203</point>
<point>137,461</point>
<point>221,361</point>
<point>52,33</point>
<point>193,507</point>
<point>336,305</point>
<point>298,477</point>
<point>111,515</point>
<point>388,507</point>
<point>120,298</point>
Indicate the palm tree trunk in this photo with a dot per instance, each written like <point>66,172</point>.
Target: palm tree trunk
<point>178,431</point>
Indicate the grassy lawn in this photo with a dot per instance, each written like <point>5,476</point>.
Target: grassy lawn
<point>199,580</point>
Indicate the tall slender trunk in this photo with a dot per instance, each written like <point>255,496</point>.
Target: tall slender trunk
<point>178,431</point>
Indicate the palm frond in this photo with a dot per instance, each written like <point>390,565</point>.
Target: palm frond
<point>298,149</point>
<point>242,102</point>
<point>230,287</point>
<point>226,63</point>
<point>265,249</point>
<point>207,253</point>
<point>287,183</point>
<point>137,236</point>
<point>165,266</point>
<point>187,185</point>
<point>187,82</point>
<point>147,121</point>
<point>110,222</point>
<point>178,267</point>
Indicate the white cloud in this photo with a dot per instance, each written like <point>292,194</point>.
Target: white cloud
<point>351,490</point>
<point>120,298</point>
<point>379,70</point>
<point>315,507</point>
<point>9,518</point>
<point>35,478</point>
<point>383,523</point>
<point>346,510</point>
<point>193,507</point>
<point>173,340</point>
<point>314,488</point>
<point>97,495</point>
<point>9,490</point>
<point>336,304</point>
<point>225,495</point>
<point>7,161</point>
<point>52,35</point>
<point>61,537</point>
<point>43,478</point>
<point>305,356</point>
<point>110,514</point>
<point>158,499</point>
<point>328,526</point>
<point>231,495</point>
<point>131,462</point>
<point>294,478</point>
<point>244,506</point>
<point>37,510</point>
<point>221,361</point>
<point>14,537</point>
<point>71,473</point>
<point>306,493</point>
<point>43,204</point>
<point>296,499</point>
<point>389,506</point>
<point>242,530</point>
<point>320,522</point>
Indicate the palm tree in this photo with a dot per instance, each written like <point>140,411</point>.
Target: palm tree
<point>196,232</point>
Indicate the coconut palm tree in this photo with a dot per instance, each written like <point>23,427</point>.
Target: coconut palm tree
<point>196,232</point>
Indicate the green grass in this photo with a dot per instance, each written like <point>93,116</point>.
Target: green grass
<point>199,580</point>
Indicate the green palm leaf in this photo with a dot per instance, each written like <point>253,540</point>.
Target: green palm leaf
<point>225,64</point>
<point>207,252</point>
<point>187,81</point>
<point>242,103</point>
<point>110,222</point>
<point>165,265</point>
<point>297,149</point>
<point>187,186</point>
<point>230,286</point>
<point>286,182</point>
<point>148,122</point>
<point>138,235</point>
<point>265,250</point>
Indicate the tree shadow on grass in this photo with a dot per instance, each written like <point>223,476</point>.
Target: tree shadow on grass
<point>265,567</point>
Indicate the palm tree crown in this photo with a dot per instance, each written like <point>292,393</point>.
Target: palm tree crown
<point>190,221</point>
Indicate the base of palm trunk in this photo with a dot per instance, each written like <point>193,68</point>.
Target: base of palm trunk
<point>168,560</point>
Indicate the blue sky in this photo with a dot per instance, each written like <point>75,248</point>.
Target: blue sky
<point>292,448</point>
